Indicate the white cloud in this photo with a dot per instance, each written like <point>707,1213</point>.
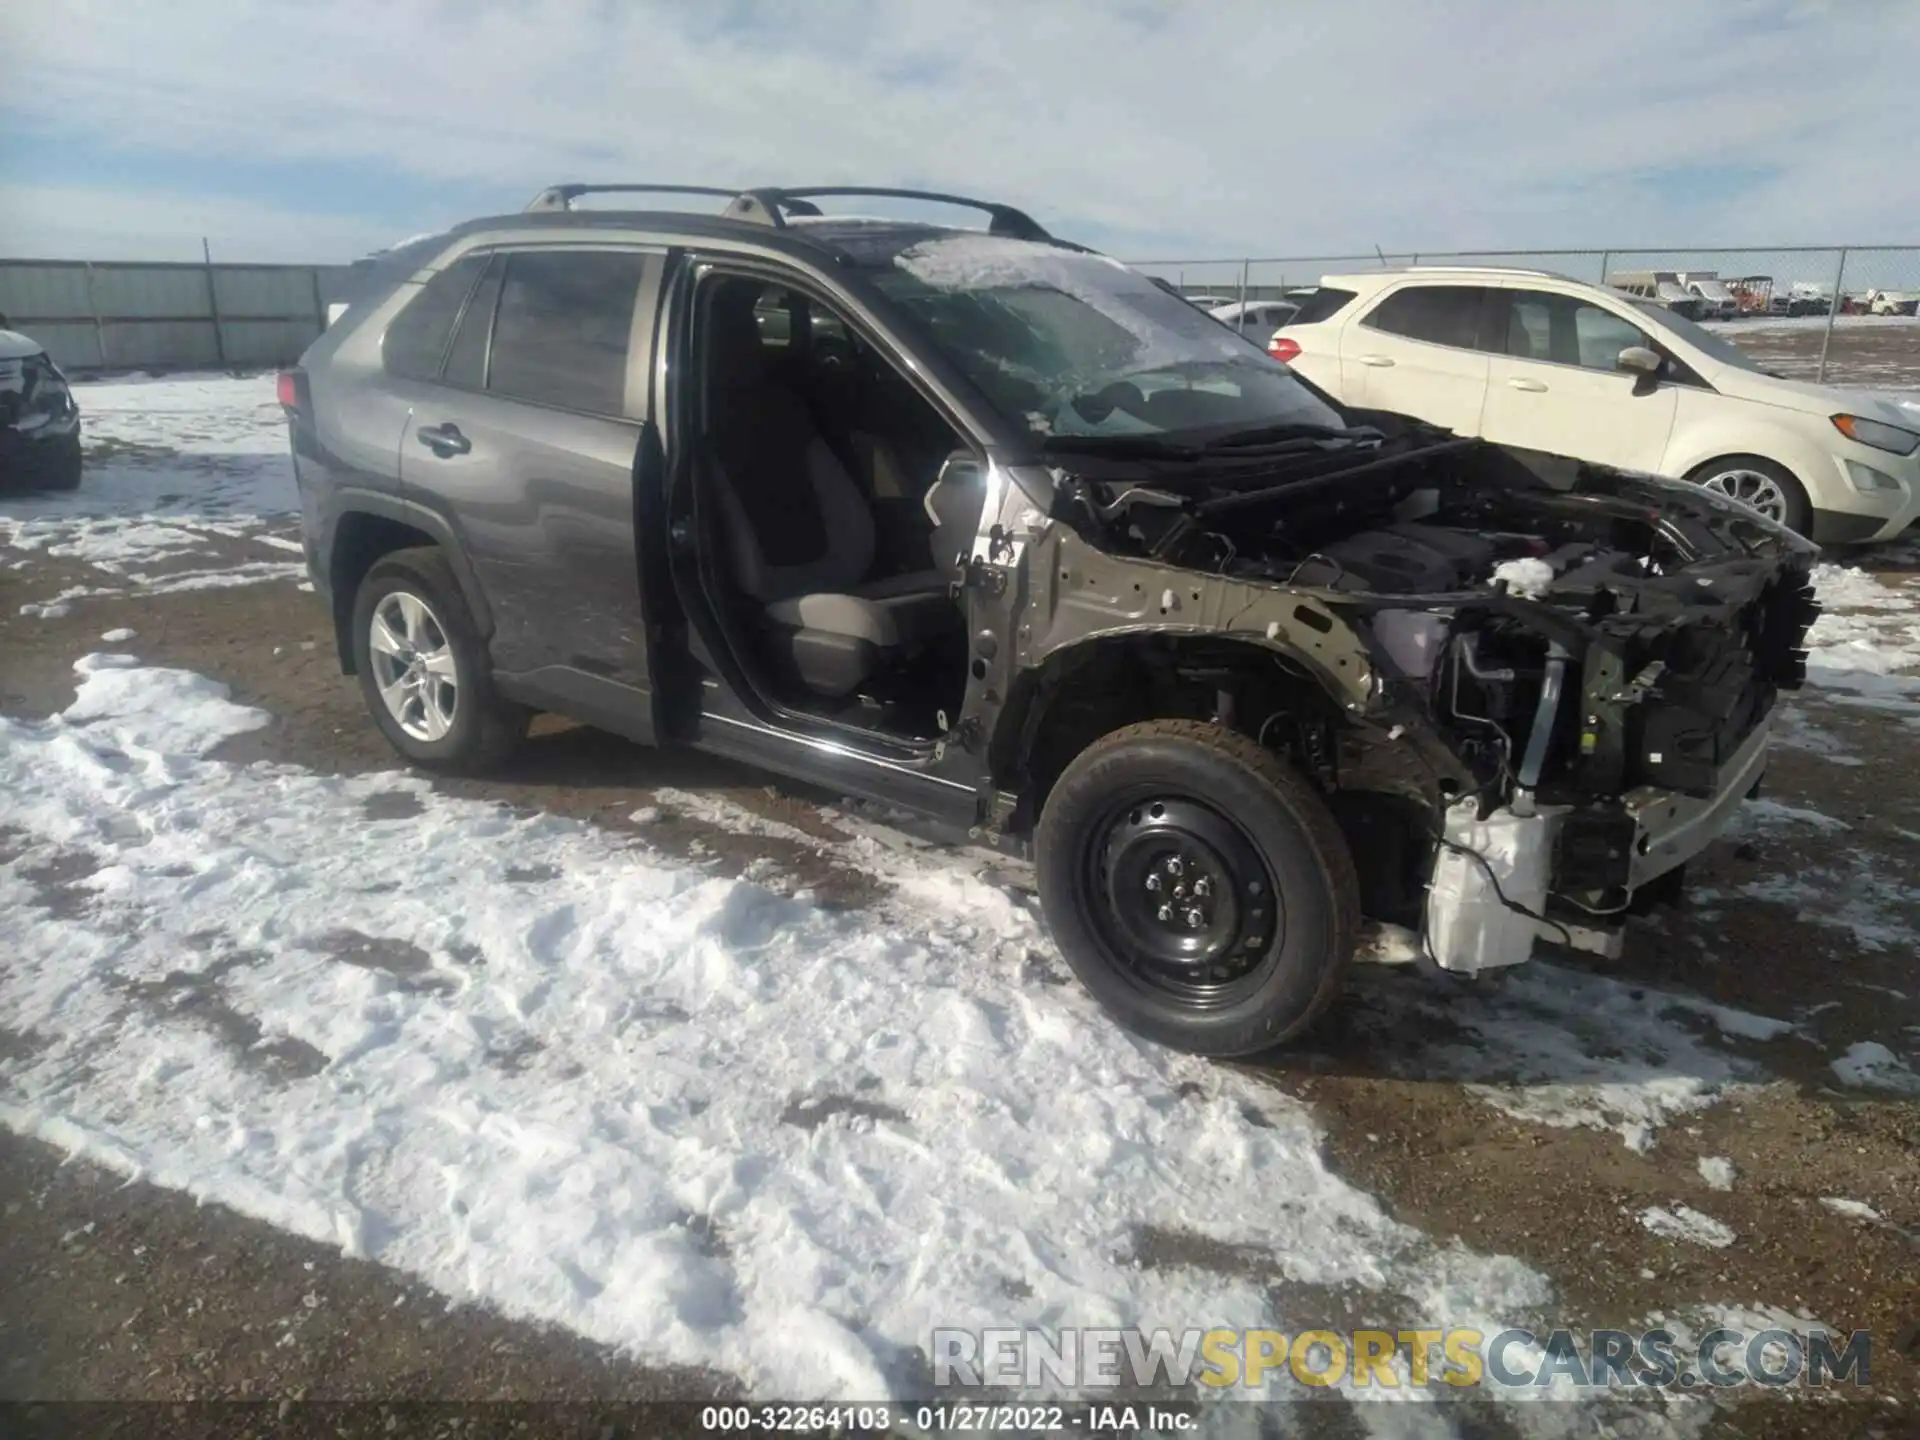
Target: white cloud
<point>1228,127</point>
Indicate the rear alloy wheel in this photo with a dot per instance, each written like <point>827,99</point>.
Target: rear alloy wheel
<point>1197,886</point>
<point>413,666</point>
<point>1759,484</point>
<point>423,667</point>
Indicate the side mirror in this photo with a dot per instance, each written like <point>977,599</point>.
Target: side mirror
<point>1644,365</point>
<point>1639,360</point>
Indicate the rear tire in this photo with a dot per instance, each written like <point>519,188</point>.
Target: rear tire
<point>423,667</point>
<point>1767,487</point>
<point>1233,965</point>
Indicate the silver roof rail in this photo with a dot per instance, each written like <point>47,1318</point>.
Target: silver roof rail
<point>561,197</point>
<point>771,205</point>
<point>768,204</point>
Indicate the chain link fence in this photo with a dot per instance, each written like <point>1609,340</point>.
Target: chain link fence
<point>1843,315</point>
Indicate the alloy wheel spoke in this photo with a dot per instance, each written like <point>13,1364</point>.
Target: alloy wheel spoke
<point>440,663</point>
<point>415,616</point>
<point>432,719</point>
<point>397,692</point>
<point>383,639</point>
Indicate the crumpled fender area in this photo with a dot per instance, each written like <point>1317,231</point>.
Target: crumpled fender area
<point>1079,593</point>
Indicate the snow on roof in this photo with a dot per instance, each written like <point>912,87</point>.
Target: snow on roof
<point>1116,291</point>
<point>978,261</point>
<point>894,220</point>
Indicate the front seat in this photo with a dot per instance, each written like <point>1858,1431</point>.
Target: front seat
<point>798,535</point>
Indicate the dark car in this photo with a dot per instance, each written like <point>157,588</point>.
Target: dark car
<point>987,526</point>
<point>39,419</point>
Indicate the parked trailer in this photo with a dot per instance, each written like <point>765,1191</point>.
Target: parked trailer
<point>1754,295</point>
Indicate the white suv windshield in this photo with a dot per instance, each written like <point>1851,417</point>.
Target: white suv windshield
<point>1076,344</point>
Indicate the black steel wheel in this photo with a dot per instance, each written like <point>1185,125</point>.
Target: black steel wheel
<point>1183,895</point>
<point>1197,886</point>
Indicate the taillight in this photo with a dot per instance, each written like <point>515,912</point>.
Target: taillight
<point>287,388</point>
<point>1283,349</point>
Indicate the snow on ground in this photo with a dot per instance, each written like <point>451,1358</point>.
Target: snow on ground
<point>1866,642</point>
<point>1811,322</point>
<point>538,1066</point>
<point>671,1112</point>
<point>1794,729</point>
<point>1854,888</point>
<point>1685,1223</point>
<point>1564,1047</point>
<point>1852,1209</point>
<point>185,479</point>
<point>1717,1171</point>
<point>1869,1065</point>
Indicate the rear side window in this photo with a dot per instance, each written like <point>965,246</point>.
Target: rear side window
<point>416,342</point>
<point>467,360</point>
<point>1438,314</point>
<point>560,331</point>
<point>1323,304</point>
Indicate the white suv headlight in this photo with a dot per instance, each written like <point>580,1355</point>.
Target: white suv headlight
<point>1878,434</point>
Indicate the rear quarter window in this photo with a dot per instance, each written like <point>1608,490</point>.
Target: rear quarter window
<point>416,341</point>
<point>1438,314</point>
<point>1325,303</point>
<point>467,359</point>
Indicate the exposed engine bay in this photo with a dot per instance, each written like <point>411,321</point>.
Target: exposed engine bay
<point>1578,639</point>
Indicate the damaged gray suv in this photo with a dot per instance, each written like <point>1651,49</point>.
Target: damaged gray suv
<point>981,524</point>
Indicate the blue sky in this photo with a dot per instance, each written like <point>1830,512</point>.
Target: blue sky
<point>316,132</point>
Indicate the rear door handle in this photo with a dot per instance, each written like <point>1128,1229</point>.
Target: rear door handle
<point>445,440</point>
<point>1534,386</point>
<point>1378,361</point>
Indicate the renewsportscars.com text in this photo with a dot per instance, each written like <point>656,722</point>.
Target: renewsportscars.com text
<point>1260,1360</point>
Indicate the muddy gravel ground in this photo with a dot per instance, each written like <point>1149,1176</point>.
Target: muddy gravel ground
<point>126,1291</point>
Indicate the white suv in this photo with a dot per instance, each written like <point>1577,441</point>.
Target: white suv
<point>1542,362</point>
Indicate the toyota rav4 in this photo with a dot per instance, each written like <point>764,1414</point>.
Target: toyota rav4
<point>982,524</point>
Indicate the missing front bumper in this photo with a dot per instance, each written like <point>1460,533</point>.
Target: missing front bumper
<point>1486,904</point>
<point>1671,829</point>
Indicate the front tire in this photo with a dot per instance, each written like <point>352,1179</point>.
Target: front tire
<point>1200,889</point>
<point>63,472</point>
<point>1767,487</point>
<point>423,667</point>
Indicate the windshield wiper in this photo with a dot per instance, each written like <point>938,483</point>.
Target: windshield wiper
<point>1292,430</point>
<point>1146,443</point>
<point>1269,440</point>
